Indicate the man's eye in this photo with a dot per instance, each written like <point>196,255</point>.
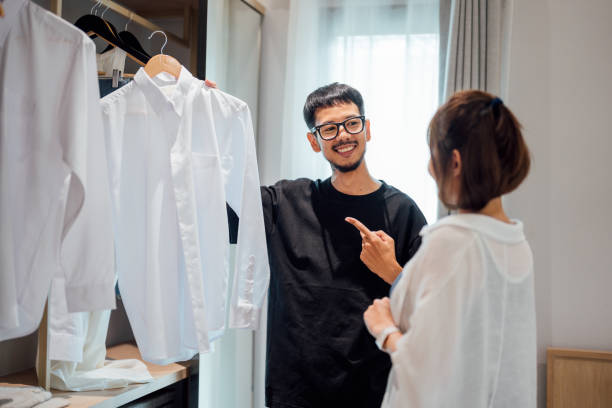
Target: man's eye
<point>328,129</point>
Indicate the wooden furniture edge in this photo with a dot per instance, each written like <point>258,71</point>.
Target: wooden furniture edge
<point>554,353</point>
<point>117,396</point>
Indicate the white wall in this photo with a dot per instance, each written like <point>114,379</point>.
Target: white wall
<point>272,81</point>
<point>560,88</point>
<point>271,103</point>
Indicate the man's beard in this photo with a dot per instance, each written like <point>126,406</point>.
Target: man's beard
<point>349,167</point>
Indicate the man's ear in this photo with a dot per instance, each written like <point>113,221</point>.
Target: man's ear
<point>367,129</point>
<point>456,163</point>
<point>314,142</point>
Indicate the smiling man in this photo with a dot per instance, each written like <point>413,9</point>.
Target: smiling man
<point>319,353</point>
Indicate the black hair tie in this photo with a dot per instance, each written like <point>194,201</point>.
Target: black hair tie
<point>496,101</point>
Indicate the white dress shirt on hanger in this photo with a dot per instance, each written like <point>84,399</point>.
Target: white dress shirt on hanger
<point>55,209</point>
<point>177,152</point>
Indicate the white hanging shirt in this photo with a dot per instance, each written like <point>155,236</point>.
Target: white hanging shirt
<point>465,306</point>
<point>91,371</point>
<point>111,60</point>
<point>77,349</point>
<point>177,152</point>
<point>55,209</point>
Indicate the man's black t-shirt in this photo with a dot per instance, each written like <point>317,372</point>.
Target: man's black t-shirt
<point>319,353</point>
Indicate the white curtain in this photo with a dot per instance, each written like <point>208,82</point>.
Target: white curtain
<point>389,51</point>
<point>476,49</point>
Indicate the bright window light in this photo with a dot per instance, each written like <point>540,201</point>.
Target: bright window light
<point>398,78</point>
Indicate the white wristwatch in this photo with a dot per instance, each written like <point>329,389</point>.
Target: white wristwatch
<point>380,339</point>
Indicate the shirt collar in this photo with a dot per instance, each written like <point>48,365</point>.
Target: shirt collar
<point>11,14</point>
<point>496,229</point>
<point>157,98</point>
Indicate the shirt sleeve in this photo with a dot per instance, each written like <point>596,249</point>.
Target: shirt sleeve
<point>87,251</point>
<point>269,201</point>
<point>252,272</point>
<point>410,221</point>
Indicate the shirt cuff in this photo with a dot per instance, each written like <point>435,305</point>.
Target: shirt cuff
<point>244,316</point>
<point>90,297</point>
<point>395,282</point>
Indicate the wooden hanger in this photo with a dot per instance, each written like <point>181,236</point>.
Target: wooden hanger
<point>162,63</point>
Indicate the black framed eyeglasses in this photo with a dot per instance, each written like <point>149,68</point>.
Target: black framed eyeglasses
<point>329,131</point>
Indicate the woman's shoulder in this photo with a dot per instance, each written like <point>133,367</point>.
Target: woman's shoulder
<point>462,226</point>
<point>448,234</point>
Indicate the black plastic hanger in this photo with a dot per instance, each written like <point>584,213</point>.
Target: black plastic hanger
<point>97,26</point>
<point>130,40</point>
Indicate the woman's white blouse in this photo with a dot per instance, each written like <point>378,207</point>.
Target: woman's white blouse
<point>465,306</point>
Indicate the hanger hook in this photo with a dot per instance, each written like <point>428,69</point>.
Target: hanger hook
<point>95,6</point>
<point>105,10</point>
<point>128,22</point>
<point>165,42</point>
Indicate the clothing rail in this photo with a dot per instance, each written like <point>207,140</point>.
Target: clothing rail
<point>56,7</point>
<point>255,5</point>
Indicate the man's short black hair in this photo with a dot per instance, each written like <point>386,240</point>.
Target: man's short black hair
<point>330,95</point>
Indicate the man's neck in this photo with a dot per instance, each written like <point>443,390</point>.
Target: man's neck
<point>356,182</point>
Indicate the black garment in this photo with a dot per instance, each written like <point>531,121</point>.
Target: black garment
<point>106,85</point>
<point>319,353</point>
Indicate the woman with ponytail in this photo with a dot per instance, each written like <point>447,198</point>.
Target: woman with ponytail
<point>460,322</point>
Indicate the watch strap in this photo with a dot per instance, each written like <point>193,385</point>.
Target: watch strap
<point>380,339</point>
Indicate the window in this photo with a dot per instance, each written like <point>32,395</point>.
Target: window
<point>391,55</point>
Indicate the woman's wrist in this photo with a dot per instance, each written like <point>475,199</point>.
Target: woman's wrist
<point>390,344</point>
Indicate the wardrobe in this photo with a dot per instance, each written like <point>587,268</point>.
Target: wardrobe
<point>220,41</point>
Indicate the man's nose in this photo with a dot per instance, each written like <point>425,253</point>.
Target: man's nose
<point>342,132</point>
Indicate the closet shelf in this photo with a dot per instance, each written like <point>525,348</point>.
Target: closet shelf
<point>163,376</point>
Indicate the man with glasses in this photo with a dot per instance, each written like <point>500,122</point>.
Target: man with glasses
<point>319,353</point>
